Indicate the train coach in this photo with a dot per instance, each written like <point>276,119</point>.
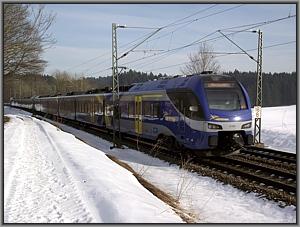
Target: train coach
<point>204,112</point>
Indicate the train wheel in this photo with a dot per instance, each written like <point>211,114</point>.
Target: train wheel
<point>169,142</point>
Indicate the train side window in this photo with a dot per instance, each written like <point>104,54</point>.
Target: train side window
<point>124,110</point>
<point>156,110</point>
<point>131,109</point>
<point>147,109</point>
<point>100,108</point>
<point>183,100</point>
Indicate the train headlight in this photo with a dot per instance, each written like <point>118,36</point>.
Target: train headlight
<point>214,126</point>
<point>237,118</point>
<point>248,125</point>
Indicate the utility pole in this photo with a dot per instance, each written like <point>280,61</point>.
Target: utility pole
<point>258,104</point>
<point>115,86</point>
<point>115,79</point>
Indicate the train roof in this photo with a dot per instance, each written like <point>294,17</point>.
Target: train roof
<point>178,82</point>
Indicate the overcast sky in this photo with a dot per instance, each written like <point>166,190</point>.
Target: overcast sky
<point>84,36</point>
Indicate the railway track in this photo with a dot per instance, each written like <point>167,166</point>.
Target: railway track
<point>270,173</point>
<point>267,175</point>
<point>284,157</point>
<point>264,176</point>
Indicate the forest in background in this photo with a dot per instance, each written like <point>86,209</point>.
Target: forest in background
<point>279,89</point>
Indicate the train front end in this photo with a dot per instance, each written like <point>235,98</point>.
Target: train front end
<point>228,113</point>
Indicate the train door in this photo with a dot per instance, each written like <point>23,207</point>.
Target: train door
<point>138,115</point>
<point>181,122</point>
<point>93,109</point>
<point>108,112</point>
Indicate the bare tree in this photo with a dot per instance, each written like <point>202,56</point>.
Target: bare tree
<point>25,36</point>
<point>202,60</point>
<point>64,81</point>
<point>68,82</point>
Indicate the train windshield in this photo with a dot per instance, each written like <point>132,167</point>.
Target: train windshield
<point>225,96</point>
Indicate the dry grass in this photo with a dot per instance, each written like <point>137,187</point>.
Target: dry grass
<point>185,182</point>
<point>185,216</point>
<point>6,119</point>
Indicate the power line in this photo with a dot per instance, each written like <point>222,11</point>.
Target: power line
<point>245,52</point>
<point>212,39</point>
<point>136,27</point>
<point>127,52</point>
<point>174,24</point>
<point>108,52</point>
<point>209,15</point>
<point>169,25</point>
<point>186,23</point>
<point>171,51</point>
<point>149,34</point>
<point>222,55</point>
<point>265,47</point>
<point>259,23</point>
<point>200,11</point>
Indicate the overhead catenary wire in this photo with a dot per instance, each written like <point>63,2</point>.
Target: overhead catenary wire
<point>254,25</point>
<point>198,41</point>
<point>181,19</point>
<point>222,54</point>
<point>186,23</point>
<point>107,53</point>
<point>245,52</point>
<point>259,23</point>
<point>265,47</point>
<point>138,44</point>
<point>137,27</point>
<point>175,23</point>
<point>212,14</point>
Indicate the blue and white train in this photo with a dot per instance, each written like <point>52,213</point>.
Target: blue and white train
<point>198,112</point>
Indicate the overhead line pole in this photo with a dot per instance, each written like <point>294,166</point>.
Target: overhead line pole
<point>115,85</point>
<point>258,103</point>
<point>257,127</point>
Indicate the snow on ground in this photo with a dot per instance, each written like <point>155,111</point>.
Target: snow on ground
<point>50,176</point>
<point>209,200</point>
<point>279,127</point>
